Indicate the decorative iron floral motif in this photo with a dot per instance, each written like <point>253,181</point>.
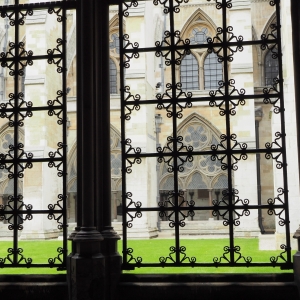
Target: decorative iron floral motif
<point>216,44</point>
<point>235,251</point>
<point>57,208</point>
<point>230,204</point>
<point>136,155</point>
<point>221,104</point>
<point>166,47</point>
<point>274,259</point>
<point>133,47</point>
<point>237,151</point>
<point>7,59</point>
<point>137,260</point>
<point>166,154</point>
<point>181,250</point>
<point>219,5</point>
<point>11,15</point>
<point>16,105</point>
<point>55,55</point>
<point>277,156</point>
<point>137,209</point>
<point>56,159</point>
<point>58,258</point>
<point>8,212</point>
<point>269,41</point>
<point>131,98</point>
<point>16,155</point>
<point>58,12</point>
<point>56,108</point>
<point>12,253</point>
<point>133,3</point>
<point>167,208</point>
<point>273,206</point>
<point>272,95</point>
<point>176,8</point>
<point>181,96</point>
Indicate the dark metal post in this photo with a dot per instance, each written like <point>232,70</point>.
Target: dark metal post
<point>295,15</point>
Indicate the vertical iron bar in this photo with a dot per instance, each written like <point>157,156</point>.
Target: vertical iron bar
<point>174,125</point>
<point>16,137</point>
<point>228,130</point>
<point>123,133</point>
<point>283,137</point>
<point>79,104</point>
<point>64,132</point>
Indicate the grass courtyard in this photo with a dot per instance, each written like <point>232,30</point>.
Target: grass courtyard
<point>151,250</point>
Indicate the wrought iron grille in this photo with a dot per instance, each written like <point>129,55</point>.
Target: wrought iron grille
<point>229,152</point>
<point>23,105</point>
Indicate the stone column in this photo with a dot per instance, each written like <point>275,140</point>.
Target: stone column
<point>89,270</point>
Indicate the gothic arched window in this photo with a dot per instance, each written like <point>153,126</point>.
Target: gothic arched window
<point>114,47</point>
<point>213,72</point>
<point>115,43</point>
<point>197,73</point>
<point>113,76</point>
<point>271,68</point>
<point>189,75</point>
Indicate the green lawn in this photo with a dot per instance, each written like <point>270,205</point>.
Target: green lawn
<point>204,250</point>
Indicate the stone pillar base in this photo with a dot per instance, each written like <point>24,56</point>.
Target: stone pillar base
<point>40,234</point>
<point>113,262</point>
<point>86,266</point>
<point>138,231</point>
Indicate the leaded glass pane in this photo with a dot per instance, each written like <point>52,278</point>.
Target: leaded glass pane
<point>113,77</point>
<point>189,75</point>
<point>212,72</point>
<point>271,68</point>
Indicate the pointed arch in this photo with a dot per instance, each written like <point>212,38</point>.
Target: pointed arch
<point>196,181</point>
<point>167,183</point>
<point>195,118</point>
<point>200,18</point>
<point>269,69</point>
<point>220,182</point>
<point>199,70</point>
<point>267,27</point>
<point>115,138</point>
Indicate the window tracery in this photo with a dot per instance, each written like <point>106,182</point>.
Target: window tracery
<point>200,136</point>
<point>200,70</point>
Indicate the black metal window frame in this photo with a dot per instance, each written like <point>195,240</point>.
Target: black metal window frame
<point>175,208</point>
<point>16,111</point>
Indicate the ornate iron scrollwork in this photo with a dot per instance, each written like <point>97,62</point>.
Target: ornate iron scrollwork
<point>7,59</point>
<point>229,204</point>
<point>236,152</point>
<point>232,251</point>
<point>221,103</point>
<point>169,158</point>
<point>9,110</point>
<point>56,107</point>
